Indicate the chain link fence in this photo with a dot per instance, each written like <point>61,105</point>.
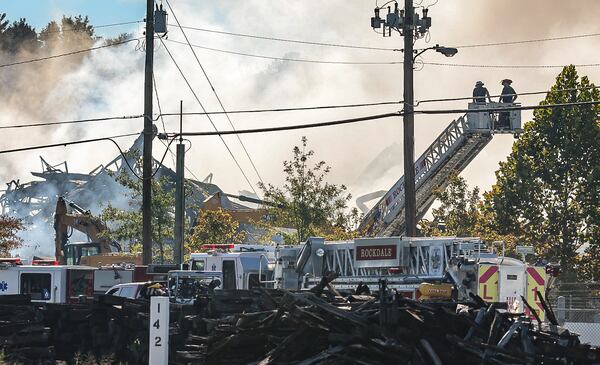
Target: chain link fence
<point>577,308</point>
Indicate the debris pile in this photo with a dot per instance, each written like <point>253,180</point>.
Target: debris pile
<point>23,335</point>
<point>303,328</point>
<point>281,327</point>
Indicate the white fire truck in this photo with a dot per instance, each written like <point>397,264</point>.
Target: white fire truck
<point>405,263</point>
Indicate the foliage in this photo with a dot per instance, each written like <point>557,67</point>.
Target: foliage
<point>9,241</point>
<point>127,224</point>
<point>307,202</point>
<point>215,227</point>
<point>548,191</point>
<point>70,33</point>
<point>17,36</point>
<point>462,213</point>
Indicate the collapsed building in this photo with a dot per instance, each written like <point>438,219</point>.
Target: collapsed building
<point>35,201</point>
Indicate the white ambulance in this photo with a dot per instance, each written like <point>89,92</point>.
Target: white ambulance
<point>47,283</point>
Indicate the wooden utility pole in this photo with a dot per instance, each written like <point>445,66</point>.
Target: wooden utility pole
<point>410,200</point>
<point>180,193</point>
<point>148,136</point>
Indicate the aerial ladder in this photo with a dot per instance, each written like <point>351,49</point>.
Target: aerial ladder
<point>451,152</point>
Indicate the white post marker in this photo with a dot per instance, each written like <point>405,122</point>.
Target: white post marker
<point>159,331</point>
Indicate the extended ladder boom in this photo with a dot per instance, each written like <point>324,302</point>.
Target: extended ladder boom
<point>450,152</point>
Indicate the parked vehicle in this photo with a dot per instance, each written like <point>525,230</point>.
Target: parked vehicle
<point>141,290</point>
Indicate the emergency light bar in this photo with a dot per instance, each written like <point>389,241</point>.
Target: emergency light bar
<point>11,260</point>
<point>44,262</point>
<point>217,247</point>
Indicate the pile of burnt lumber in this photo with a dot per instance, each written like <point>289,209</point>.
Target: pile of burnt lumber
<point>280,327</point>
<point>24,338</point>
<point>304,328</point>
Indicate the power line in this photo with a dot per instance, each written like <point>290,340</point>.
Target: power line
<point>290,59</point>
<point>43,146</point>
<point>465,65</point>
<point>252,111</point>
<point>529,41</point>
<point>341,106</point>
<point>167,146</point>
<point>379,63</point>
<point>496,96</point>
<point>340,45</point>
<point>215,92</point>
<point>69,53</point>
<point>374,117</point>
<point>162,120</point>
<point>325,44</point>
<point>209,118</point>
<point>77,121</point>
<point>288,127</point>
<point>93,27</point>
<point>505,109</point>
<point>321,107</point>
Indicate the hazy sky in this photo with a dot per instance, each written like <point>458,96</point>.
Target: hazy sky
<point>110,82</point>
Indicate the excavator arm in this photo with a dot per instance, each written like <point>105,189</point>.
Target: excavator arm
<point>83,222</point>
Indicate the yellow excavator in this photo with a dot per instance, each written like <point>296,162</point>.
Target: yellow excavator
<point>98,251</point>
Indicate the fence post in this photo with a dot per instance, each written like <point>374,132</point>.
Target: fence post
<point>560,310</point>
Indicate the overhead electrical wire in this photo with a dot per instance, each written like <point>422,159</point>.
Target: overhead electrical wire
<point>291,59</point>
<point>93,27</point>
<point>69,143</point>
<point>300,126</point>
<point>340,106</point>
<point>77,121</point>
<point>497,96</point>
<point>215,92</point>
<point>325,44</point>
<point>162,120</point>
<point>112,44</point>
<point>526,41</point>
<point>340,45</point>
<point>377,63</point>
<point>374,117</point>
<point>209,119</point>
<point>167,146</point>
<point>469,65</point>
<point>287,127</point>
<point>321,107</point>
<point>251,111</point>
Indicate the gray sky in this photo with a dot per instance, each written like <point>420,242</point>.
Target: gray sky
<point>111,83</point>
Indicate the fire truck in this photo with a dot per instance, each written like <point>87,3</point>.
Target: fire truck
<point>417,267</point>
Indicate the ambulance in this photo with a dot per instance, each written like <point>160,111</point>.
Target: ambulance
<point>47,283</point>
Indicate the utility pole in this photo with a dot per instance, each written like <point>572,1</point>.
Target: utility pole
<point>148,136</point>
<point>180,193</point>
<point>412,27</point>
<point>410,200</point>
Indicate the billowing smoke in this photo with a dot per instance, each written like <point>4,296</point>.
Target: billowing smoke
<point>110,82</point>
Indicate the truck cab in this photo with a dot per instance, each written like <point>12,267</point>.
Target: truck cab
<point>244,269</point>
<point>47,284</point>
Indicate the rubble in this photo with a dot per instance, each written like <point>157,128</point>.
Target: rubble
<point>282,327</point>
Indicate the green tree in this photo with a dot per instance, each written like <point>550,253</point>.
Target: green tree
<point>3,23</point>
<point>462,213</point>
<point>9,241</point>
<point>307,202</point>
<point>18,36</point>
<point>126,225</point>
<point>548,191</point>
<point>215,227</point>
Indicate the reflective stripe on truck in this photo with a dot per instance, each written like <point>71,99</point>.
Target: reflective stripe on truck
<point>488,282</point>
<point>536,282</point>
